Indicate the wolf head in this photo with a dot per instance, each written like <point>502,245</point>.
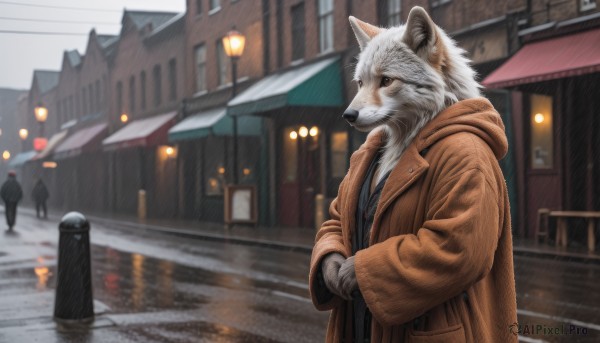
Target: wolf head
<point>406,75</point>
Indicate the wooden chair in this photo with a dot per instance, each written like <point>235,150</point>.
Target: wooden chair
<point>541,228</point>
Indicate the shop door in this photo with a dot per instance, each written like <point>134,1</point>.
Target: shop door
<point>300,176</point>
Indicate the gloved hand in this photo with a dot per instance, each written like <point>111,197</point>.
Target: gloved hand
<point>330,267</point>
<point>347,279</point>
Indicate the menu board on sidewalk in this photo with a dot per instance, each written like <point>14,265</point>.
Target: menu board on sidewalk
<point>240,204</point>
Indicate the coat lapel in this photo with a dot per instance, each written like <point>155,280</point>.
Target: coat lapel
<point>359,165</point>
<point>410,167</point>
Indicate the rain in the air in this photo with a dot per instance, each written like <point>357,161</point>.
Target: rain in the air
<point>299,171</point>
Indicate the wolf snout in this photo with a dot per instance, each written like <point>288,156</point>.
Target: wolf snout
<point>350,115</point>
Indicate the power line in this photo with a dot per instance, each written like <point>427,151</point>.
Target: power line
<point>42,33</point>
<point>59,21</point>
<point>60,7</point>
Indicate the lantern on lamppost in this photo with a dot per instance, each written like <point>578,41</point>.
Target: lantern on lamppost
<point>41,115</point>
<point>6,155</point>
<point>233,44</point>
<point>23,133</point>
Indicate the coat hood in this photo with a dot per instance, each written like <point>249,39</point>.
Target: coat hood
<point>475,115</point>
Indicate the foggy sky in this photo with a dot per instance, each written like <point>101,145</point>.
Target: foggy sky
<point>20,54</point>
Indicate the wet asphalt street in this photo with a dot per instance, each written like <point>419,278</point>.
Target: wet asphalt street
<point>151,287</point>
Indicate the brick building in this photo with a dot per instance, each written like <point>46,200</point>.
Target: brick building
<point>168,72</point>
<point>146,87</point>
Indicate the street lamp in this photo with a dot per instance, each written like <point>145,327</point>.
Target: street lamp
<point>23,133</point>
<point>41,114</point>
<point>6,155</point>
<point>233,44</point>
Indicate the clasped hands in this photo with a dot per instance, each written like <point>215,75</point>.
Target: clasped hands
<point>339,275</point>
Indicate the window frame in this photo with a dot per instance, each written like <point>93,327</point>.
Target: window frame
<point>172,79</point>
<point>131,95</point>
<point>157,81</point>
<point>393,15</point>
<point>143,89</point>
<point>197,68</point>
<point>323,20</point>
<point>586,7</point>
<point>223,68</point>
<point>298,29</point>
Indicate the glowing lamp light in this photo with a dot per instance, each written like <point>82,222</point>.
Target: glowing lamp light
<point>39,143</point>
<point>6,155</point>
<point>247,171</point>
<point>538,118</point>
<point>23,133</point>
<point>170,151</point>
<point>303,131</point>
<point>124,118</point>
<point>221,170</point>
<point>313,131</point>
<point>234,43</point>
<point>41,113</point>
<point>293,135</point>
<point>49,165</point>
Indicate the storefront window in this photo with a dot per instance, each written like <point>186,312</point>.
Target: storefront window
<point>290,154</point>
<point>339,154</point>
<point>214,165</point>
<point>541,132</point>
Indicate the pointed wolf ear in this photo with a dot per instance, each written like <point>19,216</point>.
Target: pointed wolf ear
<point>364,32</point>
<point>421,34</point>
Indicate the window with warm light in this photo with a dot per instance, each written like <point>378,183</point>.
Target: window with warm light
<point>541,132</point>
<point>290,154</point>
<point>214,166</point>
<point>339,154</point>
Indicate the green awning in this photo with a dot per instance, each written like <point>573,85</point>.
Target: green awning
<point>316,84</point>
<point>22,158</point>
<point>213,122</point>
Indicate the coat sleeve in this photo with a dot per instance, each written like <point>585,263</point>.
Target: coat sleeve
<point>328,240</point>
<point>406,275</point>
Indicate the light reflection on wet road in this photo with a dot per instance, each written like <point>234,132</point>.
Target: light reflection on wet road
<point>159,288</point>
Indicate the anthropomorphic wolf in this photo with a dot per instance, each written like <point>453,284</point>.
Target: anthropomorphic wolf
<point>418,247</point>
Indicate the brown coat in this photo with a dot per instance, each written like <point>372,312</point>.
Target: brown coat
<point>442,227</point>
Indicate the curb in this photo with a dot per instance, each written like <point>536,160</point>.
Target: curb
<point>301,248</point>
<point>207,236</point>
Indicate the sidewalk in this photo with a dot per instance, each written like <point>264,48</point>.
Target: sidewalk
<point>296,239</point>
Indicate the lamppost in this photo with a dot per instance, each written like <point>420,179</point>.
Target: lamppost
<point>23,133</point>
<point>41,114</point>
<point>233,43</point>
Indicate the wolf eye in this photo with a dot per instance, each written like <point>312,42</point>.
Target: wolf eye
<point>385,81</point>
<point>359,83</point>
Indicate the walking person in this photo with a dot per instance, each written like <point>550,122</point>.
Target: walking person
<point>11,193</point>
<point>40,195</point>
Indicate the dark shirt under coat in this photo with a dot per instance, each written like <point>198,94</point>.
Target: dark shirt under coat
<point>365,213</point>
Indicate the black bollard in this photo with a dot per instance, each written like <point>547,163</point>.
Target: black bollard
<point>74,300</point>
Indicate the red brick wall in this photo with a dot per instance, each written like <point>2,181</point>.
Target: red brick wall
<point>133,56</point>
<point>207,28</point>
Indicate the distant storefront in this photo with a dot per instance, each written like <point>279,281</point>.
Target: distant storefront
<point>555,77</point>
<point>307,146</point>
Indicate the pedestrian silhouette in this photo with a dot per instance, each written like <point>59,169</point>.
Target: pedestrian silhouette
<point>40,195</point>
<point>11,193</point>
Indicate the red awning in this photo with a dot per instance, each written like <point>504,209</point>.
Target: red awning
<point>141,133</point>
<point>87,139</point>
<point>564,56</point>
